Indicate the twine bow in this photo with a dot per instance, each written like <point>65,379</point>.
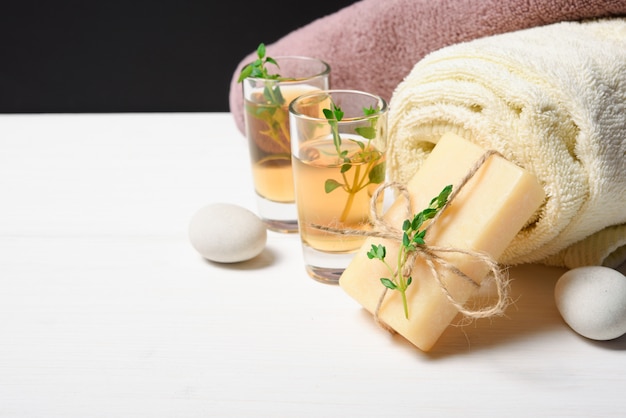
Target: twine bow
<point>430,254</point>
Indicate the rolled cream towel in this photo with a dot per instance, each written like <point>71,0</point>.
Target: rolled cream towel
<point>371,45</point>
<point>551,99</point>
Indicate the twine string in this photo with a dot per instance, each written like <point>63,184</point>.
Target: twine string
<point>431,254</point>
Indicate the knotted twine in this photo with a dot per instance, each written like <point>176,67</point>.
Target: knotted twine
<point>429,253</point>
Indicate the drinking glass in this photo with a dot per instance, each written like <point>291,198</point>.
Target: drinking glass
<point>338,145</point>
<point>266,116</point>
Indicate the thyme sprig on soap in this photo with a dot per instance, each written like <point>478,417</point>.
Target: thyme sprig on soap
<point>374,170</point>
<point>412,237</point>
<point>272,112</point>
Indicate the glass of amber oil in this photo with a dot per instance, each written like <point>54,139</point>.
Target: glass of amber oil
<point>338,163</point>
<point>266,116</point>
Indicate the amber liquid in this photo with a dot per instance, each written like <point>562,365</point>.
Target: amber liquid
<point>267,129</point>
<point>336,209</point>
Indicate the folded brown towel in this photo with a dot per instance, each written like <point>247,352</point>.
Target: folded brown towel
<point>372,44</point>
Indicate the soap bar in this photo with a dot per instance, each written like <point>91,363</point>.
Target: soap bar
<point>488,212</point>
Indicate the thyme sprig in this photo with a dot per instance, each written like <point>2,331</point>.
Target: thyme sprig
<point>374,170</point>
<point>257,67</point>
<point>412,237</point>
<point>272,112</point>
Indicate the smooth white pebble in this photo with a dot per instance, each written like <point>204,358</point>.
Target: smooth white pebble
<point>592,301</point>
<point>227,233</point>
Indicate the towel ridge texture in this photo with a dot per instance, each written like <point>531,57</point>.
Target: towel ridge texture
<point>551,99</point>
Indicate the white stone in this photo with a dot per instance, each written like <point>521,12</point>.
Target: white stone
<point>227,233</point>
<point>592,301</point>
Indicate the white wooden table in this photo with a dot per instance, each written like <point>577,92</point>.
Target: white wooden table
<point>106,310</point>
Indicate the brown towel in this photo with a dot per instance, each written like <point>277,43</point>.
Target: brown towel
<point>372,44</point>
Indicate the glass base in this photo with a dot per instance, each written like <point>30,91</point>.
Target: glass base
<point>277,216</point>
<point>287,227</point>
<point>325,267</point>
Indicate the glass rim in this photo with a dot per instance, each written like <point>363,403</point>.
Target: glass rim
<point>383,108</point>
<point>325,69</point>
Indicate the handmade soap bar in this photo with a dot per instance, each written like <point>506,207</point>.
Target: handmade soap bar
<point>492,207</point>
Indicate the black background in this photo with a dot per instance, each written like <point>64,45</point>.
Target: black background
<point>76,56</point>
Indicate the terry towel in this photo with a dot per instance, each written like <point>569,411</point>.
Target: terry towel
<point>551,99</point>
<point>373,44</point>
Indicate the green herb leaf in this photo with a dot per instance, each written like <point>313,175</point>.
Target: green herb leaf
<point>388,284</point>
<point>442,199</point>
<point>377,251</point>
<point>331,185</point>
<point>406,241</point>
<point>418,220</point>
<point>366,132</point>
<point>245,73</point>
<point>338,113</point>
<point>369,110</point>
<point>260,50</point>
<point>377,174</point>
<point>328,114</point>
